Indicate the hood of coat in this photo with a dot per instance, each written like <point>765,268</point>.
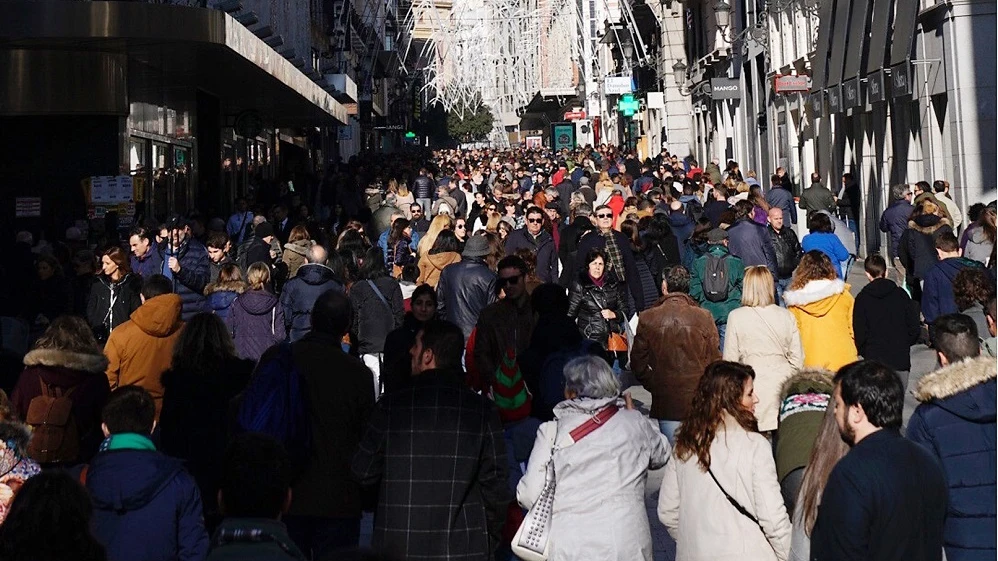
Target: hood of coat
<point>315,274</point>
<point>978,235</point>
<point>818,297</point>
<point>880,288</point>
<point>228,286</point>
<point>300,247</point>
<point>83,362</point>
<point>927,223</point>
<point>951,266</point>
<point>965,388</point>
<point>808,380</point>
<point>441,260</point>
<point>221,300</point>
<point>584,406</point>
<point>127,480</point>
<point>159,316</point>
<point>257,302</point>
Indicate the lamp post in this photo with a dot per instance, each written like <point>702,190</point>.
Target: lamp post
<point>679,73</point>
<point>722,15</point>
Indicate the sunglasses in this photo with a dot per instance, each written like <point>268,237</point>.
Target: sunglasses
<point>459,227</point>
<point>535,220</point>
<point>416,211</point>
<point>503,281</point>
<point>604,216</point>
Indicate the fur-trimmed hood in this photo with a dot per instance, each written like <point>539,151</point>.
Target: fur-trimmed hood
<point>300,247</point>
<point>66,359</point>
<point>815,291</point>
<point>956,379</point>
<point>808,380</point>
<point>228,286</point>
<point>927,223</point>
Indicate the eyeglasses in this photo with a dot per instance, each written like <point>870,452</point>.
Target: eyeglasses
<point>459,227</point>
<point>535,220</point>
<point>503,281</point>
<point>491,209</point>
<point>604,216</point>
<point>414,211</point>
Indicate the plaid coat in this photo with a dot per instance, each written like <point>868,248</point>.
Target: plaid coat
<point>437,453</point>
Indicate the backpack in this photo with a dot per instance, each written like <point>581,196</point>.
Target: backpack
<point>693,210</point>
<point>55,436</point>
<point>715,278</point>
<point>274,404</point>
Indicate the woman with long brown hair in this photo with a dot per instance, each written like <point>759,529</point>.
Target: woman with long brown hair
<point>296,250</point>
<point>822,305</point>
<point>720,498</point>
<point>114,294</point>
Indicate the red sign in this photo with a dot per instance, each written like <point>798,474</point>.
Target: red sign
<point>791,83</point>
<point>575,115</point>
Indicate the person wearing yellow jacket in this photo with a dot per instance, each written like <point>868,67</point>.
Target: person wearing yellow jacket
<point>822,305</point>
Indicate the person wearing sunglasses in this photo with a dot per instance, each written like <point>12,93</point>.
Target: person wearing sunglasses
<point>419,222</point>
<point>532,236</point>
<point>620,256</point>
<point>506,325</point>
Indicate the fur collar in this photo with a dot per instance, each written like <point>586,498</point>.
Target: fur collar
<point>66,359</point>
<point>955,378</point>
<point>228,286</point>
<point>808,380</point>
<point>929,228</point>
<point>814,291</point>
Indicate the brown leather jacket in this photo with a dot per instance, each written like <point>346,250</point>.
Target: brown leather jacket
<point>675,342</point>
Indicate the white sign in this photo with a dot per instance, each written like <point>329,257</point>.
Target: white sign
<point>27,207</point>
<point>100,189</point>
<point>110,189</point>
<point>617,85</point>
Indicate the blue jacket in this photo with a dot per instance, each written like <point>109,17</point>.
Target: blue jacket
<point>957,426</point>
<point>937,290</point>
<point>894,221</point>
<point>783,198</point>
<point>300,294</point>
<point>750,242</point>
<point>193,277</point>
<point>220,303</point>
<point>146,507</point>
<point>830,245</point>
<point>151,264</point>
<point>542,248</point>
<point>383,241</point>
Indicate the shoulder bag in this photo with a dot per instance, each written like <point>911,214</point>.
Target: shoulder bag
<point>532,541</point>
<point>741,510</point>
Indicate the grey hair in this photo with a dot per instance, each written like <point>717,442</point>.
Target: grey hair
<point>551,192</point>
<point>582,209</point>
<point>898,191</point>
<point>591,376</point>
<point>317,254</point>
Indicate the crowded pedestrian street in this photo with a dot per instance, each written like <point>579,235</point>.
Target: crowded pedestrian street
<point>498,280</point>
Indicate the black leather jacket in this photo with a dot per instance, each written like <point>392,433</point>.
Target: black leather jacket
<point>422,187</point>
<point>464,290</point>
<point>586,301</point>
<point>788,251</point>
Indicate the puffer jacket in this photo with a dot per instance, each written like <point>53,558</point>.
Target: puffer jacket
<point>430,266</point>
<point>823,310</point>
<point>256,323</point>
<point>221,296</point>
<point>978,247</point>
<point>193,277</point>
<point>294,255</point>
<point>894,221</point>
<point>676,340</point>
<point>587,300</point>
<point>111,303</point>
<point>589,474</point>
<point>300,294</point>
<point>917,248</point>
<point>464,290</point>
<point>751,243</point>
<point>374,318</point>
<point>702,521</point>
<point>956,424</point>
<point>423,188</point>
<point>788,250</point>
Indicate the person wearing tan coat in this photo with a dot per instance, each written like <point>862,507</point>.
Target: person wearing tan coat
<point>141,349</point>
<point>432,265</point>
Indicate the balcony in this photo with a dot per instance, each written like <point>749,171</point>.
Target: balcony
<point>341,87</point>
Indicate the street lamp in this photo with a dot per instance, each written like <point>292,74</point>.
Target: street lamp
<point>722,13</point>
<point>679,72</point>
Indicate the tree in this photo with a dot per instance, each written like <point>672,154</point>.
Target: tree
<point>476,124</point>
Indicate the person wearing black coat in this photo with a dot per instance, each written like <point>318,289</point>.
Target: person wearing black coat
<point>569,247</point>
<point>186,262</point>
<point>259,248</point>
<point>378,309</point>
<point>466,287</point>
<point>301,292</point>
<point>592,298</point>
<point>111,303</point>
<point>396,369</point>
<point>539,242</point>
<point>885,320</point>
<point>596,239</point>
<point>917,247</point>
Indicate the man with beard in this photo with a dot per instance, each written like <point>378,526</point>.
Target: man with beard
<point>885,499</point>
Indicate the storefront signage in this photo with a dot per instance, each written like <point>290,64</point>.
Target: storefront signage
<point>817,103</point>
<point>563,136</point>
<point>534,142</point>
<point>27,207</point>
<point>725,88</point>
<point>901,80</point>
<point>850,93</point>
<point>617,85</point>
<point>876,89</point>
<point>834,99</point>
<point>111,189</point>
<point>791,84</point>
<point>575,115</point>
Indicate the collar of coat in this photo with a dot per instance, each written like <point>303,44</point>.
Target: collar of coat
<point>226,286</point>
<point>814,291</point>
<point>955,378</point>
<point>66,359</point>
<point>808,380</point>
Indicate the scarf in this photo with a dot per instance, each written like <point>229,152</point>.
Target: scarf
<point>614,255</point>
<point>598,281</point>
<point>127,441</point>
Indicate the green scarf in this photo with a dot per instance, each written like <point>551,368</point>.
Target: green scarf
<point>127,441</point>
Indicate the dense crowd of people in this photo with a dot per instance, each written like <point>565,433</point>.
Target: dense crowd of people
<point>431,337</point>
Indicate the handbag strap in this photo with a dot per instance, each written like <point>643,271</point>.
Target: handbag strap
<point>378,292</point>
<point>776,336</point>
<point>741,510</point>
<point>594,422</point>
<point>273,320</point>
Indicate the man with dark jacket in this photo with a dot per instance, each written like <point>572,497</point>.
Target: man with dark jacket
<point>259,249</point>
<point>538,241</point>
<point>146,505</point>
<point>886,498</point>
<point>300,293</point>
<point>787,248</point>
<point>218,257</point>
<point>436,453</point>
<point>465,288</point>
<point>894,220</point>
<point>956,423</point>
<point>675,342</point>
<point>716,204</point>
<point>185,262</point>
<point>817,197</point>
<point>749,241</point>
<point>422,190</point>
<point>570,236</point>
<point>508,323</point>
<point>885,320</point>
<point>326,500</point>
<point>618,249</point>
<point>565,190</point>
<point>717,240</point>
<point>781,198</point>
<point>937,290</point>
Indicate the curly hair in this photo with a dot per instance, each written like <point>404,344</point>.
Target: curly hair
<point>69,333</point>
<point>814,265</point>
<point>971,287</point>
<point>719,391</point>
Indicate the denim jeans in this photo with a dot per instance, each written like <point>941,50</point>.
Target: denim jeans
<point>427,204</point>
<point>721,329</point>
<point>781,286</point>
<point>668,428</point>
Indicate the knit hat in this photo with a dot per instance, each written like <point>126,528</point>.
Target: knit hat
<point>509,391</point>
<point>263,230</point>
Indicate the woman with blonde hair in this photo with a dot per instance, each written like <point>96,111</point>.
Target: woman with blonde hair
<point>439,223</point>
<point>720,498</point>
<point>296,250</point>
<point>765,337</point>
<point>403,198</point>
<point>822,305</point>
<point>256,320</point>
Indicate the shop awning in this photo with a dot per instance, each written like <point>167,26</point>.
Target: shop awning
<point>904,31</point>
<point>857,39</point>
<point>880,30</point>
<point>820,64</point>
<point>840,37</point>
<point>171,47</point>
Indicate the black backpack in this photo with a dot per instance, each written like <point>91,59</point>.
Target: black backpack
<point>715,278</point>
<point>693,210</point>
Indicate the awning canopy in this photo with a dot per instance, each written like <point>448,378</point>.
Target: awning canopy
<point>170,47</point>
<point>546,107</point>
